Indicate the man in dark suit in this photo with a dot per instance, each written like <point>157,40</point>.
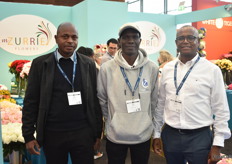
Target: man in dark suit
<point>61,103</point>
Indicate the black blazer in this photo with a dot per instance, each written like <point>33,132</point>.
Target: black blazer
<point>39,90</point>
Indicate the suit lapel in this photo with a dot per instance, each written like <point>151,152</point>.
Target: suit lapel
<point>84,68</point>
<point>49,71</point>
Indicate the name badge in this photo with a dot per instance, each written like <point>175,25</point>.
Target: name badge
<point>175,104</point>
<point>133,105</point>
<point>74,98</point>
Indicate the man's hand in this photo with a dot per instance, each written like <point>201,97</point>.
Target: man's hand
<point>33,147</point>
<point>214,155</point>
<point>157,146</point>
<point>97,144</point>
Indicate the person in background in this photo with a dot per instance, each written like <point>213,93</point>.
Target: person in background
<point>98,58</point>
<point>192,98</point>
<point>82,50</point>
<point>89,52</point>
<point>61,104</point>
<point>112,47</point>
<point>128,91</point>
<point>164,58</point>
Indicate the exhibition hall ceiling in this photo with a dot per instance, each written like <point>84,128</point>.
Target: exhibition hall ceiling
<point>53,2</point>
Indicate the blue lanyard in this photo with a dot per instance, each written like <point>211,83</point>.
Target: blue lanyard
<point>185,77</point>
<point>128,82</point>
<point>64,74</point>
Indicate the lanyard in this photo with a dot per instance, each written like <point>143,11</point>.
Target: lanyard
<point>128,82</point>
<point>185,77</point>
<point>64,74</point>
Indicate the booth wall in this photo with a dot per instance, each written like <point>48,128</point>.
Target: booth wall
<point>55,14</point>
<point>217,39</point>
<point>166,22</point>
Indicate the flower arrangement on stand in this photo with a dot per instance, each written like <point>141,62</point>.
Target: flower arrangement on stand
<point>225,159</point>
<point>20,68</point>
<point>202,34</point>
<point>12,139</point>
<point>100,49</point>
<point>226,67</point>
<point>228,56</point>
<point>5,94</point>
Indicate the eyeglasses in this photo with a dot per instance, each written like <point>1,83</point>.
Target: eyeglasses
<point>189,38</point>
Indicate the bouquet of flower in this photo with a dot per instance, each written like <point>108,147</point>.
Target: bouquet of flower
<point>5,94</point>
<point>12,138</point>
<point>224,64</point>
<point>202,34</point>
<point>17,66</point>
<point>3,87</point>
<point>100,49</point>
<point>25,70</point>
<point>10,113</point>
<point>226,67</point>
<point>21,69</point>
<point>225,159</point>
<point>4,105</point>
<point>228,56</point>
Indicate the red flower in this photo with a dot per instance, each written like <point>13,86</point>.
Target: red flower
<point>17,66</point>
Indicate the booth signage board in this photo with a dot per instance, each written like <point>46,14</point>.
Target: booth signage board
<point>153,37</point>
<point>27,35</point>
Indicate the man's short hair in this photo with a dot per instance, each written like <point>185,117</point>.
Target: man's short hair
<point>112,40</point>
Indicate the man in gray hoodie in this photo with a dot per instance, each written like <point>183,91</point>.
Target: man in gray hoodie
<point>127,90</point>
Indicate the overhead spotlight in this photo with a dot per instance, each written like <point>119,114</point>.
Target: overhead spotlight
<point>228,7</point>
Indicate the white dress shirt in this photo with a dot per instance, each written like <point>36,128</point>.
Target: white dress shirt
<point>202,96</point>
<point>59,56</point>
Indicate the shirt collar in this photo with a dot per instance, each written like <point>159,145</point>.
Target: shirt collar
<point>110,55</point>
<point>59,56</point>
<point>190,62</point>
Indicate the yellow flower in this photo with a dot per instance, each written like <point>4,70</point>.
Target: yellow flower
<point>224,65</point>
<point>9,64</point>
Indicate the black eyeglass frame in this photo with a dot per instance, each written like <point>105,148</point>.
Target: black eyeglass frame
<point>189,38</point>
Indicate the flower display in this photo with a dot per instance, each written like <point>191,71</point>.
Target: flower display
<point>3,87</point>
<point>224,64</point>
<point>202,34</point>
<point>228,56</point>
<point>225,159</point>
<point>10,112</point>
<point>226,67</point>
<point>11,118</point>
<point>230,87</point>
<point>21,69</point>
<point>5,94</point>
<point>12,138</point>
<point>17,66</point>
<point>100,49</point>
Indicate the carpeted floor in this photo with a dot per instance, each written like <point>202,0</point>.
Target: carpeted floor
<point>155,159</point>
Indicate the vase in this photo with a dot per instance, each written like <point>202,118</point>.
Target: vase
<point>227,77</point>
<point>15,158</point>
<point>22,87</point>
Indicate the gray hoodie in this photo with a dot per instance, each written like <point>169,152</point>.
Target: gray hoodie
<point>113,92</point>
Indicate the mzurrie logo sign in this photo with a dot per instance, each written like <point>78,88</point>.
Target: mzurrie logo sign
<point>153,37</point>
<point>27,35</point>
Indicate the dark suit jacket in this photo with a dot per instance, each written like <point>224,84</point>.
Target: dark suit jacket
<point>39,90</point>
